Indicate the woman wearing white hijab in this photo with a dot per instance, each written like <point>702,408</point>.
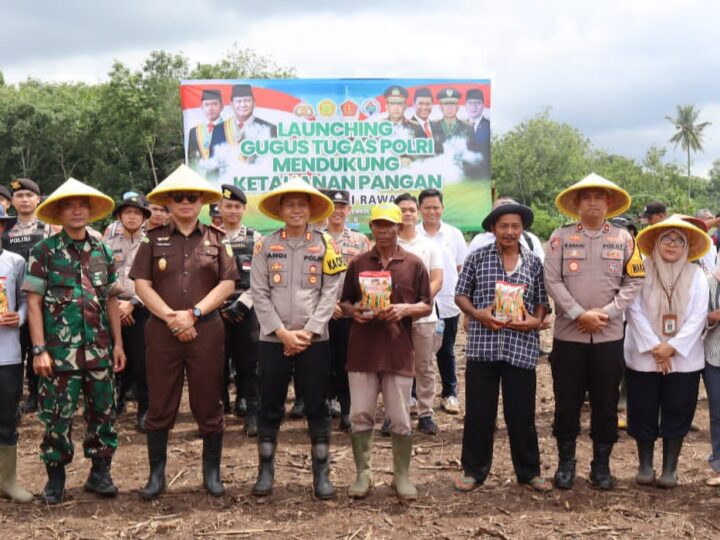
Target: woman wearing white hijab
<point>663,344</point>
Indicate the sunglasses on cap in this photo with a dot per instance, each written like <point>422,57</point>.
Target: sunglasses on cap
<point>192,198</point>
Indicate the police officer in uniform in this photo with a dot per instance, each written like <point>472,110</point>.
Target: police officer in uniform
<point>350,243</point>
<point>183,273</point>
<point>592,271</point>
<point>295,274</point>
<point>241,324</point>
<point>20,239</point>
<point>131,212</point>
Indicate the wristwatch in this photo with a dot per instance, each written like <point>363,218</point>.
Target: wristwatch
<point>38,349</point>
<point>197,313</point>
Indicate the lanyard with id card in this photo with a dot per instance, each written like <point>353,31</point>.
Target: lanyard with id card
<point>669,320</point>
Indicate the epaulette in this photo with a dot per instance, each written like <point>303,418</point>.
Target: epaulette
<point>218,229</point>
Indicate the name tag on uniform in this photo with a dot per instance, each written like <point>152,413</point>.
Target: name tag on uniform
<point>669,325</point>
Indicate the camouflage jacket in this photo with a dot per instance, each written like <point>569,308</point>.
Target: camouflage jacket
<point>75,280</point>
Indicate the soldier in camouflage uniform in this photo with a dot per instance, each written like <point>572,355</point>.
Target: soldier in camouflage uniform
<point>73,310</point>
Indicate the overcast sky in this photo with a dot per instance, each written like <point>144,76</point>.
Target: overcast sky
<point>614,69</point>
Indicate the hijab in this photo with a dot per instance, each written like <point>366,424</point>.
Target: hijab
<point>667,286</point>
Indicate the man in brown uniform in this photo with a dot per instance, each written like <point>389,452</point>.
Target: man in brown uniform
<point>592,272</point>
<point>380,353</point>
<point>183,272</point>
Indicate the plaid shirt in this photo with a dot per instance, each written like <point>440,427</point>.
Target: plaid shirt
<point>482,269</point>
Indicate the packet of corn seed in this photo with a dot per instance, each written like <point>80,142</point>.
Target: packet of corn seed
<point>376,288</point>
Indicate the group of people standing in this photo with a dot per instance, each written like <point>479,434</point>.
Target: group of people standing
<point>177,299</point>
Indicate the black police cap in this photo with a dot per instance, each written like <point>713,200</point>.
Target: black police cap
<point>233,193</point>
<point>24,183</point>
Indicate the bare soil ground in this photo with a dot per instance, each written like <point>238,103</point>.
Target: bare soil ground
<point>500,509</point>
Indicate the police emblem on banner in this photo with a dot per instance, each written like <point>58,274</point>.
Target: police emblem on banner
<point>326,108</point>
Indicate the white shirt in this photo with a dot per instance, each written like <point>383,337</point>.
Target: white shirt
<point>640,336</point>
<point>12,268</point>
<point>431,258</point>
<point>708,262</point>
<point>484,238</point>
<point>454,250</point>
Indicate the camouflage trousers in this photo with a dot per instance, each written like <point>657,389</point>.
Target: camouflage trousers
<point>57,403</point>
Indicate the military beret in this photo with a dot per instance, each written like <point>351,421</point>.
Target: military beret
<point>475,93</point>
<point>233,193</point>
<point>241,90</point>
<point>24,183</point>
<point>337,195</point>
<point>214,210</point>
<point>210,95</point>
<point>449,95</point>
<point>395,94</point>
<point>5,192</point>
<point>423,92</point>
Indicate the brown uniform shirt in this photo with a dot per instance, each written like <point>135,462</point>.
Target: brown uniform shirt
<point>183,270</point>
<point>587,269</point>
<point>386,347</point>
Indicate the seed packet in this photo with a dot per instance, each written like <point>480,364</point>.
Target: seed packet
<point>3,296</point>
<point>509,304</point>
<point>376,288</point>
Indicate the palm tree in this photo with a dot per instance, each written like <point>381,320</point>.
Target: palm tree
<point>689,134</point>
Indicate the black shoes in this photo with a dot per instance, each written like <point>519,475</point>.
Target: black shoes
<point>322,486</point>
<point>298,409</point>
<point>427,425</point>
<point>565,473</point>
<point>157,456</point>
<point>211,457</point>
<point>100,481</point>
<point>55,487</point>
<point>600,476</point>
<point>266,467</point>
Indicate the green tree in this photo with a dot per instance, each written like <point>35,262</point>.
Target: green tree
<point>535,160</point>
<point>689,132</point>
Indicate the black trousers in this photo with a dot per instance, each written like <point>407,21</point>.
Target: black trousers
<point>595,368</point>
<point>311,372</point>
<point>482,383</point>
<point>241,340</point>
<point>10,392</point>
<point>135,372</point>
<point>339,387</point>
<point>27,359</point>
<point>673,396</point>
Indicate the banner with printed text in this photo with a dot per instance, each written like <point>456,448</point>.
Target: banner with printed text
<point>376,138</point>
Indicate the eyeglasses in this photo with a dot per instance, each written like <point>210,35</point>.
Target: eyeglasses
<point>670,241</point>
<point>192,198</point>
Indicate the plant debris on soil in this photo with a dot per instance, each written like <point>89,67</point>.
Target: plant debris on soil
<point>499,509</point>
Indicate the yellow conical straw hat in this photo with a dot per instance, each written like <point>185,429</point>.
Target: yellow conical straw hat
<point>565,201</point>
<point>184,179</point>
<point>100,204</point>
<point>699,240</point>
<point>320,205</point>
